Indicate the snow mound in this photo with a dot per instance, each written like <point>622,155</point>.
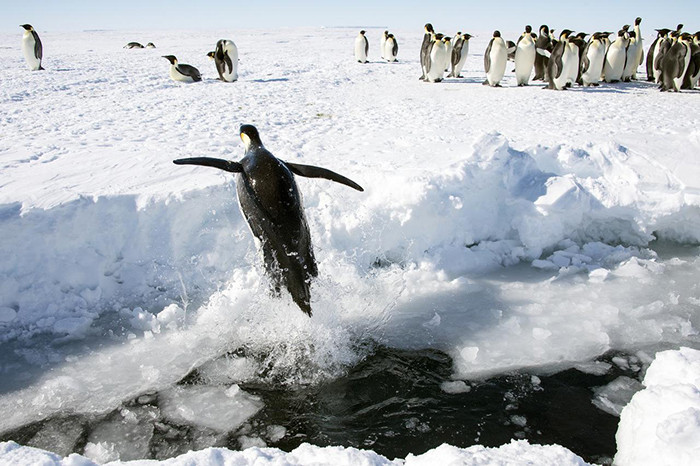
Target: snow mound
<point>516,453</point>
<point>661,425</point>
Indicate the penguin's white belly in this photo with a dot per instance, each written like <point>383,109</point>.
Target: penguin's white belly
<point>631,64</point>
<point>177,76</point>
<point>232,52</point>
<point>657,71</point>
<point>679,81</point>
<point>499,57</point>
<point>28,45</point>
<point>614,63</point>
<point>573,64</point>
<point>596,56</point>
<point>389,51</point>
<point>462,60</point>
<point>382,44</point>
<point>524,62</point>
<point>438,61</point>
<point>360,54</point>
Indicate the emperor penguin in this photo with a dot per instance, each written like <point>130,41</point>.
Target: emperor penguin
<point>450,46</point>
<point>32,48</point>
<point>692,75</point>
<point>661,34</point>
<point>150,45</point>
<point>182,73</point>
<point>495,60</point>
<point>592,61</point>
<point>561,61</point>
<point>361,47</point>
<point>391,48</point>
<point>525,55</point>
<point>615,58</point>
<point>428,38</point>
<point>382,41</point>
<point>675,64</point>
<point>460,50</point>
<point>543,42</point>
<point>662,46</point>
<point>632,59</point>
<point>580,43</point>
<point>437,59</point>
<point>640,45</point>
<point>133,45</point>
<point>226,60</point>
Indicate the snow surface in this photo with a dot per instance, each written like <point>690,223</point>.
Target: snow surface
<point>508,227</point>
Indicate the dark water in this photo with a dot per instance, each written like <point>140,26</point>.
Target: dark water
<point>391,403</point>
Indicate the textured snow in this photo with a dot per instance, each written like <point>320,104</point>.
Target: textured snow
<point>508,227</point>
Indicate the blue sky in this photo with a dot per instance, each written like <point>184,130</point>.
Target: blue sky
<point>507,15</point>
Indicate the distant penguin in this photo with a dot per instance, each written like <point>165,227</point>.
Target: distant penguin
<point>31,48</point>
<point>543,43</point>
<point>561,60</point>
<point>495,60</point>
<point>133,45</point>
<point>616,57</point>
<point>391,48</point>
<point>675,64</point>
<point>382,41</point>
<point>361,47</point>
<point>460,50</point>
<point>150,45</point>
<point>653,49</point>
<point>226,60</point>
<point>437,59</point>
<point>182,73</point>
<point>271,203</point>
<point>210,55</point>
<point>525,55</point>
<point>428,38</point>
<point>592,61</point>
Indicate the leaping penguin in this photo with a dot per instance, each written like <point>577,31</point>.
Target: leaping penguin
<point>271,203</point>
<point>182,73</point>
<point>31,48</point>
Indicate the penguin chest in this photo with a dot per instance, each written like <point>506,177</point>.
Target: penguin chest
<point>28,47</point>
<point>438,62</point>
<point>497,68</point>
<point>360,53</point>
<point>614,63</point>
<point>595,56</point>
<point>389,50</point>
<point>524,60</point>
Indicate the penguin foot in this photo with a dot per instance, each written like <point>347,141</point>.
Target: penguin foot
<point>460,76</point>
<point>486,83</point>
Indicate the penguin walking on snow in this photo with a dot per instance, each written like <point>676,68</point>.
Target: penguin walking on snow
<point>182,73</point>
<point>226,60</point>
<point>495,60</point>
<point>361,47</point>
<point>391,48</point>
<point>460,50</point>
<point>31,48</point>
<point>525,55</point>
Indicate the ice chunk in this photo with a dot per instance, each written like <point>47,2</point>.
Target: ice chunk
<point>456,386</point>
<point>124,436</point>
<point>614,396</point>
<point>59,436</point>
<point>219,408</point>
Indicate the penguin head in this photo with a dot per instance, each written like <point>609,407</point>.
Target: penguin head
<point>27,27</point>
<point>581,35</point>
<point>466,36</point>
<point>632,34</point>
<point>386,34</point>
<point>662,32</point>
<point>563,35</point>
<point>446,39</point>
<point>528,29</point>
<point>626,27</point>
<point>496,33</point>
<point>171,59</point>
<point>362,32</point>
<point>211,55</point>
<point>686,37</point>
<point>250,136</point>
<point>429,28</point>
<point>151,45</point>
<point>638,21</point>
<point>438,37</point>
<point>679,28</point>
<point>544,30</point>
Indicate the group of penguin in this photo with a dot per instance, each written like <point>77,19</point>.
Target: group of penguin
<point>225,58</point>
<point>673,60</point>
<point>388,47</point>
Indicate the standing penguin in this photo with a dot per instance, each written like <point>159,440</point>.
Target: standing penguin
<point>640,46</point>
<point>675,64</point>
<point>361,47</point>
<point>616,57</point>
<point>495,59</point>
<point>182,73</point>
<point>460,50</point>
<point>561,61</point>
<point>382,41</point>
<point>661,34</point>
<point>525,55</point>
<point>437,59</point>
<point>544,43</point>
<point>31,48</point>
<point>662,47</point>
<point>692,75</point>
<point>592,61</point>
<point>226,60</point>
<point>428,38</point>
<point>632,59</point>
<point>271,203</point>
<point>391,48</point>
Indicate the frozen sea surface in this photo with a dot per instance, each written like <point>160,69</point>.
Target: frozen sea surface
<point>507,235</point>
